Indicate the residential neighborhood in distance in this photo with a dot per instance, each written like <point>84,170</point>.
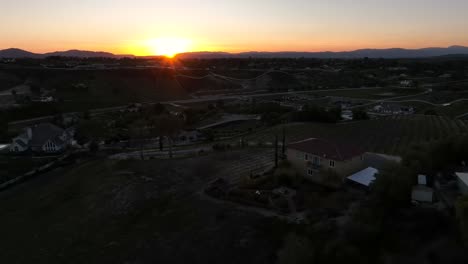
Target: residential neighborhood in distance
<point>266,132</point>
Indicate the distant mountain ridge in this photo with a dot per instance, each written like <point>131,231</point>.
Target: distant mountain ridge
<point>19,53</point>
<point>361,53</point>
<point>392,53</point>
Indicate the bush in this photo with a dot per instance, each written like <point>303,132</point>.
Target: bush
<point>393,185</point>
<point>462,217</point>
<point>359,114</point>
<point>312,113</point>
<point>94,147</point>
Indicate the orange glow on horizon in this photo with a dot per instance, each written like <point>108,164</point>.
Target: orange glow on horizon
<point>167,46</point>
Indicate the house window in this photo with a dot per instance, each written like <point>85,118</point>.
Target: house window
<point>362,157</point>
<point>316,161</point>
<point>310,172</point>
<point>306,157</point>
<point>332,163</point>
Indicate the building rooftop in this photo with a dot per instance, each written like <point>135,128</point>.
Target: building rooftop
<point>463,176</point>
<point>327,149</point>
<point>43,132</point>
<point>364,177</point>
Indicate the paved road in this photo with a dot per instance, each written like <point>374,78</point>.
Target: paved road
<point>372,102</point>
<point>215,98</point>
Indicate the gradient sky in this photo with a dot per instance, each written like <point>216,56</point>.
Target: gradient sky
<point>126,26</point>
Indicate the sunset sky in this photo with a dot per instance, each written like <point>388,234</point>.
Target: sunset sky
<point>137,26</point>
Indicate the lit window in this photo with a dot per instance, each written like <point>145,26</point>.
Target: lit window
<point>332,163</point>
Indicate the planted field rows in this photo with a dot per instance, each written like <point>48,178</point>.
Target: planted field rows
<point>391,135</point>
<point>245,163</point>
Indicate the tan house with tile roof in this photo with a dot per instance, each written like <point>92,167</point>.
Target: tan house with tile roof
<point>317,159</point>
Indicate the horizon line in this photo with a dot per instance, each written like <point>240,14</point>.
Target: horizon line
<point>237,52</point>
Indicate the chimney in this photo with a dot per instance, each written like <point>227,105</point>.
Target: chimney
<point>29,131</point>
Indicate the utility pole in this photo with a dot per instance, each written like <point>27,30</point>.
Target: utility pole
<point>276,151</point>
<point>283,150</point>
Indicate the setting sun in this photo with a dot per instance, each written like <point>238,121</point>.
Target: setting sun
<point>169,47</point>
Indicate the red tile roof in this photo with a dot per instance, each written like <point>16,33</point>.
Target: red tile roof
<point>327,149</point>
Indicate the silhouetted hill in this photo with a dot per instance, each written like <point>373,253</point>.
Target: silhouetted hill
<point>206,55</point>
<point>17,53</point>
<point>453,56</point>
<point>80,54</point>
<point>371,53</point>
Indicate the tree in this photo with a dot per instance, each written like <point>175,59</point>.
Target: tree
<point>271,118</point>
<point>430,112</point>
<point>159,109</point>
<point>393,185</point>
<point>90,130</point>
<point>93,147</point>
<point>86,115</point>
<point>359,114</point>
<point>166,126</point>
<point>190,116</point>
<point>462,217</point>
<point>313,113</point>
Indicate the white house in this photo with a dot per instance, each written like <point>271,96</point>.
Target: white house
<point>45,137</point>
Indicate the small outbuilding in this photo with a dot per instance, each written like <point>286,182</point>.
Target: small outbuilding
<point>462,181</point>
<point>422,193</point>
<point>364,178</point>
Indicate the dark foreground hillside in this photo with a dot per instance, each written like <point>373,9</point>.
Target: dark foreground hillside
<point>107,211</point>
<point>129,212</point>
